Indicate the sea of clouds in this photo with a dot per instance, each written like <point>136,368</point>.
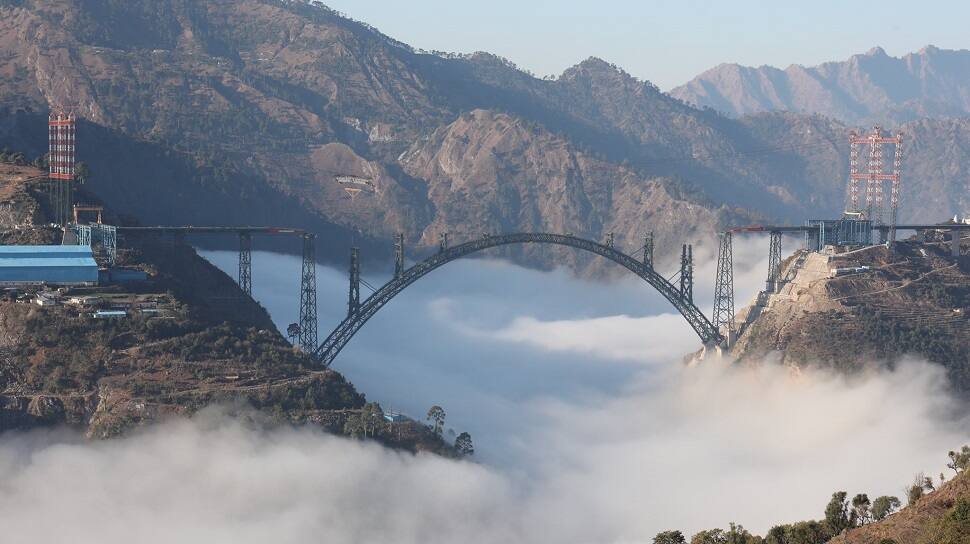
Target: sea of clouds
<point>587,426</point>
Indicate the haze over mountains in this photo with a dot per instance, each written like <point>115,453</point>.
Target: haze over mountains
<point>245,111</point>
<point>869,88</point>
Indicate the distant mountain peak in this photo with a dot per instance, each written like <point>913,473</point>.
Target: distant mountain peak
<point>873,87</point>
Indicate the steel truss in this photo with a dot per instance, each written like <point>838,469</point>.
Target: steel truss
<point>327,351</point>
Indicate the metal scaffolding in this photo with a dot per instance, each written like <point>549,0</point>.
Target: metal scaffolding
<point>103,236</point>
<point>875,177</point>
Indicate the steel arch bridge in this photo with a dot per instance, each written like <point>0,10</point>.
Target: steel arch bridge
<point>326,352</point>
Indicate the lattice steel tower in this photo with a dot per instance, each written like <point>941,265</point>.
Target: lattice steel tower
<point>353,302</point>
<point>648,250</point>
<point>308,295</point>
<point>398,255</point>
<point>61,133</point>
<point>724,286</point>
<point>246,263</point>
<point>687,273</point>
<point>875,177</point>
<point>774,262</point>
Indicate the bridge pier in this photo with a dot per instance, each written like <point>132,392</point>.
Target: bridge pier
<point>774,262</point>
<point>245,276</point>
<point>398,255</point>
<point>308,295</point>
<point>648,250</point>
<point>687,273</point>
<point>724,287</point>
<point>955,243</point>
<point>353,303</point>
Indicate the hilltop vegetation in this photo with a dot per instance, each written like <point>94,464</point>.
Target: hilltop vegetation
<point>932,516</point>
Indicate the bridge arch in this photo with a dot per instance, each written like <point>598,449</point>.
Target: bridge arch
<point>327,351</point>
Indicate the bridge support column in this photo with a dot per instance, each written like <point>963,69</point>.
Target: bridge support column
<point>724,288</point>
<point>353,303</point>
<point>955,243</point>
<point>610,241</point>
<point>245,276</point>
<point>398,255</point>
<point>648,250</point>
<point>687,273</point>
<point>774,262</point>
<point>443,242</point>
<point>308,295</point>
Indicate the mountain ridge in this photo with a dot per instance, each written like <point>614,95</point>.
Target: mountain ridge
<point>235,112</point>
<point>873,87</point>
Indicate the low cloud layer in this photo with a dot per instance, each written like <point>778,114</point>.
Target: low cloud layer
<point>588,429</point>
<point>690,448</point>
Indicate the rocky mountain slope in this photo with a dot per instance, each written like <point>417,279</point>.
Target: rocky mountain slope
<point>245,112</point>
<point>869,88</point>
<point>881,307</point>
<point>941,517</point>
<point>189,339</point>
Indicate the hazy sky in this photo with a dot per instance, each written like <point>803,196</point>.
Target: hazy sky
<point>667,42</point>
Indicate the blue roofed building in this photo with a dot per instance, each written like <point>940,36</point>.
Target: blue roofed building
<point>52,265</point>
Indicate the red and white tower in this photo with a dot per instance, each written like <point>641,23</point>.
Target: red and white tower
<point>875,177</point>
<point>61,132</point>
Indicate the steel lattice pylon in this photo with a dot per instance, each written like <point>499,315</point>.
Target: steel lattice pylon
<point>308,295</point>
<point>875,177</point>
<point>687,272</point>
<point>353,302</point>
<point>246,263</point>
<point>61,134</point>
<point>398,255</point>
<point>106,235</point>
<point>774,262</point>
<point>648,250</point>
<point>724,286</point>
<point>327,351</point>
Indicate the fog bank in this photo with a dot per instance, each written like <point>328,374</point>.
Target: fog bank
<point>587,429</point>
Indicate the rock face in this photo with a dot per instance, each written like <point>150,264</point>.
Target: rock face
<point>245,112</point>
<point>848,311</point>
<point>869,88</point>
